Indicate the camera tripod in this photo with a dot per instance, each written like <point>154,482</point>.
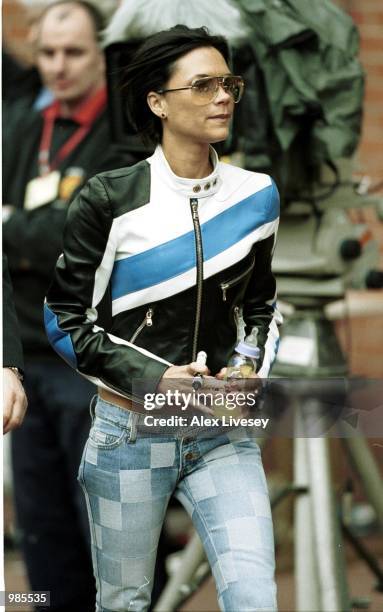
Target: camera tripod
<point>320,574</point>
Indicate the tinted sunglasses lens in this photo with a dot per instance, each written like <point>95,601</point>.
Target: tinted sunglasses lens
<point>234,85</point>
<point>205,89</point>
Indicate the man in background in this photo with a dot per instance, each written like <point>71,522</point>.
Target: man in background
<point>14,398</point>
<point>20,78</point>
<point>48,156</point>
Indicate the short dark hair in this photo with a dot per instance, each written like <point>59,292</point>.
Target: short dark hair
<point>94,13</point>
<point>151,67</point>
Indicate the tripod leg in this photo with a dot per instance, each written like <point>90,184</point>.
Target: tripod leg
<point>306,584</point>
<point>331,569</point>
<point>364,464</point>
<point>192,557</point>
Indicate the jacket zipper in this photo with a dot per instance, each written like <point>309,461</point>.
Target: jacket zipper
<point>236,315</point>
<point>234,281</point>
<point>199,253</point>
<point>147,322</point>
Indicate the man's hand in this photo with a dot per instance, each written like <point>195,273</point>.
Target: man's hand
<point>14,401</point>
<point>7,211</point>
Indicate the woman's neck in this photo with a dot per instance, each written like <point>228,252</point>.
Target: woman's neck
<point>189,161</point>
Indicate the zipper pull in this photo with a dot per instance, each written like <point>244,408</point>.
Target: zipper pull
<point>149,315</point>
<point>194,207</point>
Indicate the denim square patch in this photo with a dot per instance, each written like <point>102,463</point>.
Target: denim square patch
<point>110,513</point>
<point>162,455</point>
<point>135,485</point>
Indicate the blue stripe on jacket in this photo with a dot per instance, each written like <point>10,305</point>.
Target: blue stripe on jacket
<point>172,258</point>
<point>60,340</point>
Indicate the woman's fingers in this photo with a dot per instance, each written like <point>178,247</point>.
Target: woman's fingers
<point>221,374</point>
<point>195,368</point>
<point>186,371</point>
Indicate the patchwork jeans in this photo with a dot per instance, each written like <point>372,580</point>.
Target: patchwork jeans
<point>128,476</point>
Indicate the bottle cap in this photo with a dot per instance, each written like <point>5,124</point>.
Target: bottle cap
<point>248,350</point>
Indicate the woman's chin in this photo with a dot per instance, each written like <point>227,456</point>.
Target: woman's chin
<point>219,135</point>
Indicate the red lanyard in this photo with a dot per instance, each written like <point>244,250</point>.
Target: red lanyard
<point>45,165</point>
<point>85,116</point>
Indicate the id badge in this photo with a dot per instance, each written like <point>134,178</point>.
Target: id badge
<point>42,190</point>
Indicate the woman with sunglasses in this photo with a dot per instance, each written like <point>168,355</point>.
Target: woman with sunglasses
<point>185,243</point>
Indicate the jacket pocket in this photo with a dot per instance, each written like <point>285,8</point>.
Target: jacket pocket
<point>225,286</point>
<point>147,322</point>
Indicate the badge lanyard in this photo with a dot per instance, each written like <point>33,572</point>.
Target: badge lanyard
<point>45,165</point>
<point>85,116</point>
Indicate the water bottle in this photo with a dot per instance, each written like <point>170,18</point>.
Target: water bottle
<point>243,362</point>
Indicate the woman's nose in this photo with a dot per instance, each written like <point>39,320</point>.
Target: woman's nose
<point>222,94</point>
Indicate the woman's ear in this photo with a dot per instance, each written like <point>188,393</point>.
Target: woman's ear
<point>157,104</point>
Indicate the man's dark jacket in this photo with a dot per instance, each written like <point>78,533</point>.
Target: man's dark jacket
<point>33,239</point>
<point>12,349</point>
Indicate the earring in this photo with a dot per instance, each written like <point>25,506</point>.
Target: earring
<point>163,115</point>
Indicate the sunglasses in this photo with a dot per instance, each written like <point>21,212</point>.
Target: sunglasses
<point>205,89</point>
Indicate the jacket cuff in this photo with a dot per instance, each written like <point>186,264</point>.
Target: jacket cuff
<point>151,376</point>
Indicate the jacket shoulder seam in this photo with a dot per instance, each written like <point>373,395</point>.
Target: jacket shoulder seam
<point>108,199</point>
<point>123,172</point>
<point>100,178</point>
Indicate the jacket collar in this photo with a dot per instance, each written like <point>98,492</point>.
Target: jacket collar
<point>86,113</point>
<point>191,188</point>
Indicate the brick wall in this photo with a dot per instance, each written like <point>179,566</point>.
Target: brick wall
<point>15,30</point>
<point>368,15</point>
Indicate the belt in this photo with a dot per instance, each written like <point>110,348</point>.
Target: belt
<point>113,398</point>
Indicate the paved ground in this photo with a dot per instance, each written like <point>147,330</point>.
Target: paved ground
<point>361,583</point>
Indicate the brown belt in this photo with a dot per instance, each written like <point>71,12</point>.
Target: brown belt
<point>113,398</point>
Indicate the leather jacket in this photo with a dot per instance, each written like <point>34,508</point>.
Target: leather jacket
<point>183,260</point>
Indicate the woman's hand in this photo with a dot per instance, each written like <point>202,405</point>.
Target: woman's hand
<point>222,374</point>
<point>178,380</point>
<point>248,386</point>
<point>186,371</point>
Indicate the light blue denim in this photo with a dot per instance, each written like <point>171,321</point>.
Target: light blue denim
<point>128,476</point>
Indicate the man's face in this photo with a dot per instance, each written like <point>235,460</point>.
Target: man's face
<point>68,57</point>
